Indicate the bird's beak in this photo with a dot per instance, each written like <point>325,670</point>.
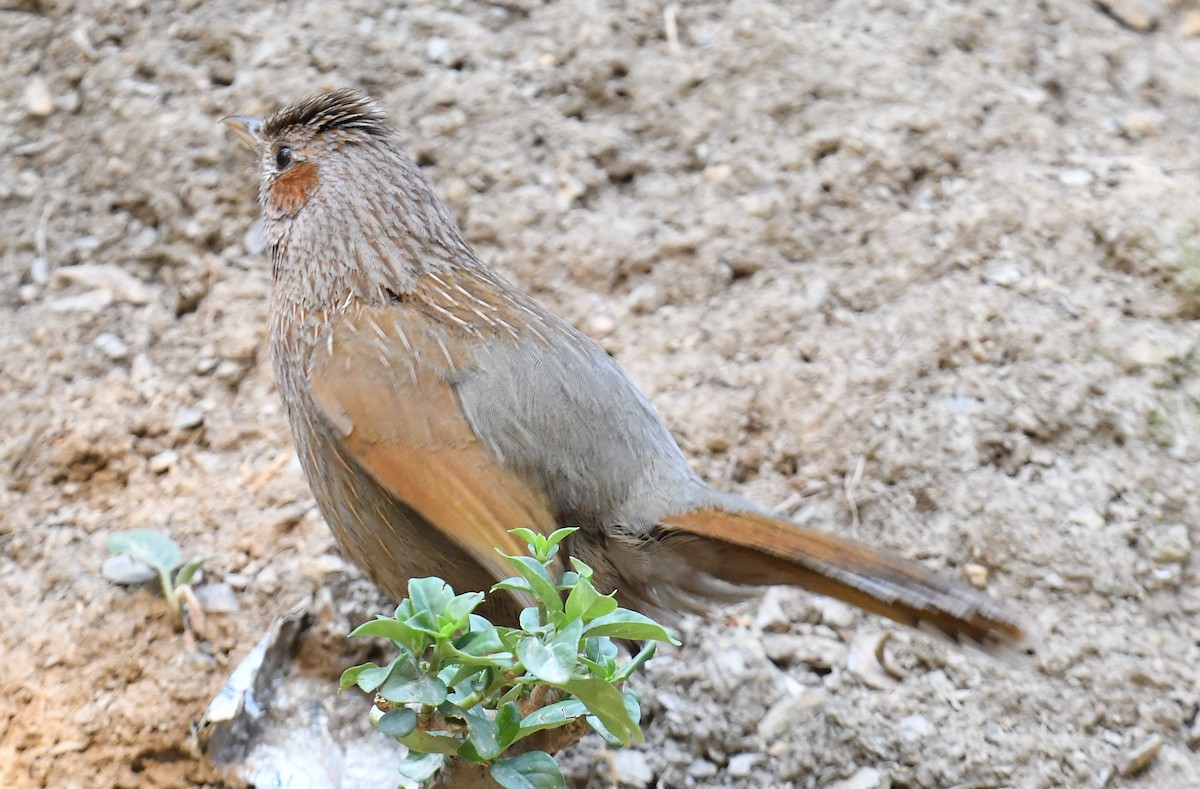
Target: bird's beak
<point>249,130</point>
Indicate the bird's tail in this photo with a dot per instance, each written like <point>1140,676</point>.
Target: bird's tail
<point>747,549</point>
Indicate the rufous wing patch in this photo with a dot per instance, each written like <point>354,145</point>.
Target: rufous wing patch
<point>292,188</point>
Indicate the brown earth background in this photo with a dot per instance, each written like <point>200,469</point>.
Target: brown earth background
<point>922,273</point>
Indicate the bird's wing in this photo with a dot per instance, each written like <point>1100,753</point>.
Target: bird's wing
<point>383,377</point>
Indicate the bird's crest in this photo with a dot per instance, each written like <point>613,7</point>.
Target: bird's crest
<point>345,109</point>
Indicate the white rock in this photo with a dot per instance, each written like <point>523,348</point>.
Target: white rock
<point>437,49</point>
<point>742,764</point>
<point>863,778</point>
<point>38,100</point>
<point>188,417</point>
<point>163,461</point>
<point>631,768</point>
<point>111,346</point>
<point>120,284</point>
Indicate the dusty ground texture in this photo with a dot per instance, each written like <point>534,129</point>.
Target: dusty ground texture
<point>926,274</point>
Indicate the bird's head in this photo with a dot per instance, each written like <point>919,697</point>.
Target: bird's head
<point>302,146</point>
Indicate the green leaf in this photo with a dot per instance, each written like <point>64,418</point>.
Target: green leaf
<point>513,584</point>
<point>552,716</point>
<point>528,535</point>
<point>632,705</point>
<point>532,770</point>
<point>582,569</point>
<point>372,676</point>
<point>530,620</point>
<point>188,571</point>
<point>539,581</point>
<point>422,690</point>
<point>551,662</point>
<point>566,581</point>
<point>399,632</point>
<point>431,595</point>
<point>606,703</point>
<point>629,625</point>
<point>398,722</point>
<point>350,675</point>
<point>454,616</point>
<point>587,604</point>
<point>148,547</point>
<point>421,767</point>
<point>483,735</point>
<point>508,723</point>
<point>558,535</point>
<point>424,742</point>
<point>480,640</point>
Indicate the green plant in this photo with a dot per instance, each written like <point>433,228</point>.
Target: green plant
<point>160,553</point>
<point>464,687</point>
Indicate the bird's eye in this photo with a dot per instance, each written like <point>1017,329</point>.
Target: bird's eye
<point>283,157</point>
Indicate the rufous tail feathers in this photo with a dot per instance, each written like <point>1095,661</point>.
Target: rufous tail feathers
<point>755,550</point>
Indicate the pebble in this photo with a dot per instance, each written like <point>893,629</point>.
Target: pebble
<point>865,660</point>
<point>1171,544</point>
<point>38,100</point>
<point>120,284</point>
<point>645,298</point>
<point>742,764</point>
<point>834,613</point>
<point>915,727</point>
<point>787,713</point>
<point>217,598</point>
<point>1075,177</point>
<point>253,241</point>
<point>163,461</point>
<point>1086,516</point>
<point>1005,276</point>
<point>94,301</point>
<point>437,49</point>
<point>126,571</point>
<point>976,575</point>
<point>788,649</point>
<point>111,346</point>
<point>631,768</point>
<point>770,615</point>
<point>39,271</point>
<point>863,778</point>
<point>1139,758</point>
<point>702,768</point>
<point>187,418</point>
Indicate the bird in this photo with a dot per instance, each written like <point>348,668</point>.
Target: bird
<point>435,407</point>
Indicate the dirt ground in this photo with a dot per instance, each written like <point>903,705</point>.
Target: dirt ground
<point>924,273</point>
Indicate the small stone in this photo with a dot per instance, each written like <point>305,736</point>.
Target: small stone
<point>863,778</point>
<point>770,615</point>
<point>163,461</point>
<point>1040,456</point>
<point>187,418</point>
<point>645,298</point>
<point>976,575</point>
<point>834,613</point>
<point>1190,26</point>
<point>600,325</point>
<point>28,293</point>
<point>1130,13</point>
<point>742,764</point>
<point>253,241</point>
<point>702,768</point>
<point>1075,177</point>
<point>437,49</point>
<point>126,571</point>
<point>39,271</point>
<point>120,284</point>
<point>38,100</point>
<point>786,649</point>
<point>1005,276</point>
<point>631,768</point>
<point>1139,758</point>
<point>217,598</point>
<point>788,712</point>
<point>1172,544</point>
<point>866,660</point>
<point>93,301</point>
<point>915,727</point>
<point>1086,516</point>
<point>111,346</point>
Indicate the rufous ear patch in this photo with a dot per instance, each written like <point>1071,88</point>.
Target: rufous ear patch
<point>292,188</point>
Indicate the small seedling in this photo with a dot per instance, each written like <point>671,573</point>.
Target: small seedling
<point>160,553</point>
<point>464,688</point>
